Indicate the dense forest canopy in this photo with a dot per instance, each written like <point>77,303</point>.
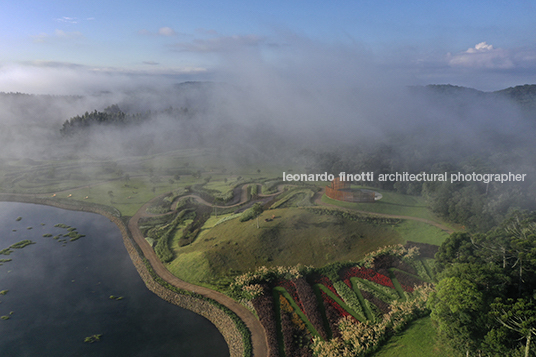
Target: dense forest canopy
<point>485,300</point>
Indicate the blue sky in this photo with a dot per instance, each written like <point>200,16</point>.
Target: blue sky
<point>483,44</point>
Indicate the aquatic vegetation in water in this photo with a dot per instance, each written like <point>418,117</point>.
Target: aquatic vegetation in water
<point>19,245</point>
<point>18,218</point>
<point>61,225</point>
<point>73,234</point>
<point>93,338</point>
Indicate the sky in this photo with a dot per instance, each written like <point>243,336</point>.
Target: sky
<point>53,47</point>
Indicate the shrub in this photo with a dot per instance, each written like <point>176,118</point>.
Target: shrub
<point>251,213</point>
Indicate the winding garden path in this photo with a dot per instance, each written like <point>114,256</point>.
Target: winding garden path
<point>258,336</point>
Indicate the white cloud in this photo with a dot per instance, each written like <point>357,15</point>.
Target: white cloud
<point>166,31</point>
<point>482,56</point>
<point>480,47</point>
<point>70,20</point>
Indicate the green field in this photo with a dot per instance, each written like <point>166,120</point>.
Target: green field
<point>418,340</point>
<point>294,236</point>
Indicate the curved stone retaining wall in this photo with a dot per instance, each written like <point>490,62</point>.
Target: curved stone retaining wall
<point>203,307</point>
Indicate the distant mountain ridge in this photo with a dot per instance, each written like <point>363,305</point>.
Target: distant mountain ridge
<point>522,94</point>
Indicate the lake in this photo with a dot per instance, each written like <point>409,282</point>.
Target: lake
<point>59,294</point>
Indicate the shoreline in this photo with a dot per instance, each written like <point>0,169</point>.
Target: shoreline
<point>197,303</point>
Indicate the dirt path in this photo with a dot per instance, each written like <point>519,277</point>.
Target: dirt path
<point>318,201</point>
<point>243,198</point>
<point>258,336</point>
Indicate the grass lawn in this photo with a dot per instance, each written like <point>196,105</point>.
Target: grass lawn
<point>420,232</point>
<point>418,340</point>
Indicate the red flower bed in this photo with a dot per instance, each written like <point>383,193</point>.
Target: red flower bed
<point>327,283</point>
<point>291,289</point>
<point>342,312</point>
<point>367,274</point>
<point>348,282</point>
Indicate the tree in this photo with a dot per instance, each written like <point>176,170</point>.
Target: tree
<point>458,308</point>
<point>519,317</point>
<point>458,247</point>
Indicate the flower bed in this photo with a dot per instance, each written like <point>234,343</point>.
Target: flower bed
<point>287,328</point>
<point>264,305</point>
<point>307,297</point>
<point>290,287</point>
<point>367,274</point>
<point>381,292</point>
<point>342,312</point>
<point>383,306</point>
<point>349,297</point>
<point>406,281</point>
<point>328,284</point>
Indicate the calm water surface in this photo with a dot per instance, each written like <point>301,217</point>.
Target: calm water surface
<point>59,294</point>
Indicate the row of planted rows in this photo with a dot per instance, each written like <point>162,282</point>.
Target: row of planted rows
<point>295,311</point>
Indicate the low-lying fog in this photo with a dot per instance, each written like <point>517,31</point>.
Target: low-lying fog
<point>336,101</point>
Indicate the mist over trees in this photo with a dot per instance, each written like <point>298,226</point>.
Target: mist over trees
<point>433,129</point>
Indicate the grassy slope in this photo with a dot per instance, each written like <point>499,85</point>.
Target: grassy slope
<point>295,236</point>
<point>418,340</point>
